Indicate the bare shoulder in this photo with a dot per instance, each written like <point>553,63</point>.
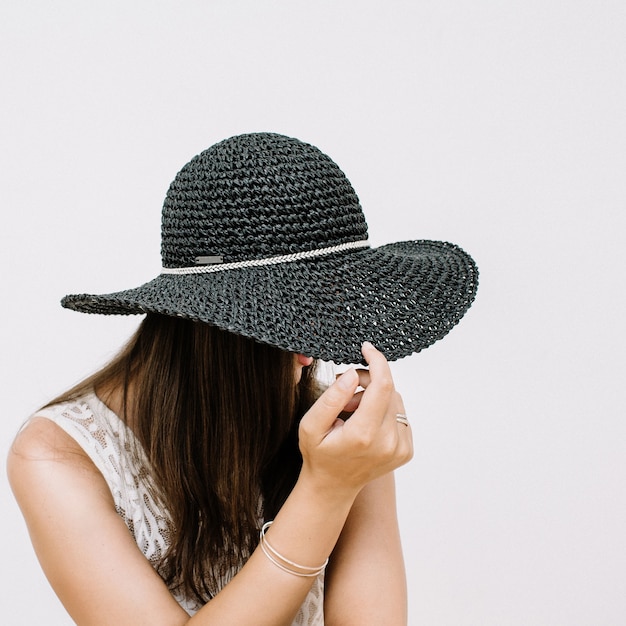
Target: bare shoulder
<point>85,548</point>
<point>42,451</point>
<point>42,439</point>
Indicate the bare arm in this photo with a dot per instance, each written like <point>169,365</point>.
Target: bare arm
<point>365,580</point>
<point>83,545</point>
<point>101,576</point>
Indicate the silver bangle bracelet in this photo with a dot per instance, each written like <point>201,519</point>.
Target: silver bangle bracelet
<point>283,563</point>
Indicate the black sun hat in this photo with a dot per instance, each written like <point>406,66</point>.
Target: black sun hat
<point>263,235</point>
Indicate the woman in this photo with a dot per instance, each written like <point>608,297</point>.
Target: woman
<point>202,477</point>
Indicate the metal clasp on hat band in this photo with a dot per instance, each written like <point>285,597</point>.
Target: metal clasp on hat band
<point>208,260</point>
<point>219,266</point>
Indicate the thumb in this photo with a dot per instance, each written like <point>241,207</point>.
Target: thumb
<point>321,417</point>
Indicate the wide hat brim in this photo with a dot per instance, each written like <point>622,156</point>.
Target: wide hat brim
<point>402,297</point>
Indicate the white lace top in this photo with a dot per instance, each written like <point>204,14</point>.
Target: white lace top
<point>112,447</point>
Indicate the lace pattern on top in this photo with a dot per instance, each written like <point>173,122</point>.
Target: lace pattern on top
<point>119,457</point>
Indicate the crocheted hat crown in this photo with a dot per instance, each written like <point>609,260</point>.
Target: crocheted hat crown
<point>257,196</point>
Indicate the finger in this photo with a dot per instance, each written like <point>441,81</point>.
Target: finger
<point>378,395</point>
<point>353,403</point>
<point>364,377</point>
<point>405,444</point>
<point>397,411</point>
<point>399,404</point>
<point>321,417</point>
<point>406,435</point>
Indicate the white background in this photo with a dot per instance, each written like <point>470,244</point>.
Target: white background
<point>498,125</point>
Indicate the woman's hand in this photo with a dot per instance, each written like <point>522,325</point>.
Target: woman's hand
<point>340,455</point>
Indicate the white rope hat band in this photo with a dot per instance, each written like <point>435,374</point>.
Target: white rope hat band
<point>273,260</point>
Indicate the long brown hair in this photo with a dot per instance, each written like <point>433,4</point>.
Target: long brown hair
<point>217,415</point>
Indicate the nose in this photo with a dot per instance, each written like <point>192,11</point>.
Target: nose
<point>304,360</point>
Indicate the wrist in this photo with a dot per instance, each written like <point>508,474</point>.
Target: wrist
<point>331,494</point>
<point>310,521</point>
